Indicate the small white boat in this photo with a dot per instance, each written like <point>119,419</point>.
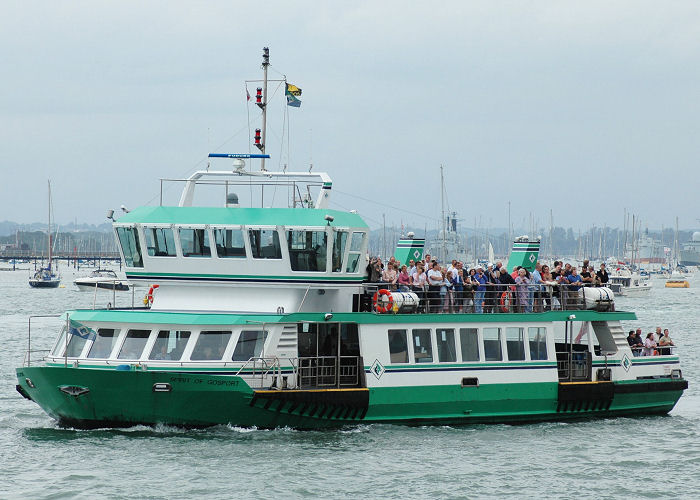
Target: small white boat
<point>630,283</point>
<point>101,278</point>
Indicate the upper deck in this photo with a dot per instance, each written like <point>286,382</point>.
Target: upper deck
<point>294,248</point>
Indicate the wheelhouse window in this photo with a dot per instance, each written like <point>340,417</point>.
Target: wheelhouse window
<point>398,346</point>
<point>341,237</point>
<point>170,344</point>
<point>446,350</point>
<point>75,345</point>
<point>60,344</point>
<point>354,252</point>
<point>134,344</point>
<point>160,241</point>
<point>538,342</point>
<point>104,342</point>
<point>195,242</point>
<point>492,344</point>
<point>250,345</point>
<point>307,250</point>
<point>469,343</point>
<point>131,248</point>
<point>422,346</point>
<point>229,243</point>
<point>210,345</point>
<point>265,244</point>
<point>515,343</point>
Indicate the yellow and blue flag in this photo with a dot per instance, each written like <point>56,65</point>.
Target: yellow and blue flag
<point>291,91</point>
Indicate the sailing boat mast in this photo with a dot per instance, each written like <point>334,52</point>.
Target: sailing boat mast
<point>442,203</point>
<point>48,233</point>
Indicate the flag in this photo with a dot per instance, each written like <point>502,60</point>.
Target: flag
<point>291,91</point>
<point>247,94</point>
<point>81,330</point>
<point>583,331</point>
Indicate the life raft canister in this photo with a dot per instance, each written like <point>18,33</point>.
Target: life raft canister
<point>506,299</point>
<point>148,299</point>
<point>382,301</point>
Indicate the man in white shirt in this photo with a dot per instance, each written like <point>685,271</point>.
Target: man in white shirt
<point>434,283</point>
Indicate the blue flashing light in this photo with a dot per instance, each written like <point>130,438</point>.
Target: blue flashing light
<point>236,155</point>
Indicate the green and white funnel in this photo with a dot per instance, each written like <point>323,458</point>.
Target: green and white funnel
<point>524,254</point>
<point>409,248</point>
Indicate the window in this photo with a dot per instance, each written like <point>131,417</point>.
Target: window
<point>195,242</point>
<point>355,252</point>
<point>307,250</point>
<point>129,241</point>
<point>104,342</point>
<point>398,347</point>
<point>469,342</point>
<point>515,343</point>
<point>492,344</point>
<point>160,242</point>
<point>75,345</point>
<point>446,345</point>
<point>422,348</point>
<point>229,243</point>
<point>169,345</point>
<point>265,244</point>
<point>538,342</point>
<point>341,237</point>
<point>210,345</point>
<point>250,345</point>
<point>61,343</point>
<point>134,343</point>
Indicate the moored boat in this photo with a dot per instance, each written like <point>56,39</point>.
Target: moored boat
<point>46,277</point>
<point>105,279</point>
<point>261,318</point>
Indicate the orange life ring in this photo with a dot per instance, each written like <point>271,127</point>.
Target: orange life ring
<point>383,306</point>
<point>149,296</point>
<point>505,301</point>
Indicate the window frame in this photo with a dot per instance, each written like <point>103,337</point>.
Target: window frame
<point>413,342</point>
<point>276,230</point>
<point>287,229</point>
<point>176,240</point>
<point>194,227</point>
<point>246,242</point>
<point>437,343</point>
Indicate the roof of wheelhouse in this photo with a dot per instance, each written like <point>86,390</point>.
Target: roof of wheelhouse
<point>238,216</point>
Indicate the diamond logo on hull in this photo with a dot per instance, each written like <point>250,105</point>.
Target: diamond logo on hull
<point>377,369</point>
<point>626,363</point>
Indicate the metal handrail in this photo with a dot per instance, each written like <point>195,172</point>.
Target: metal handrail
<point>28,354</point>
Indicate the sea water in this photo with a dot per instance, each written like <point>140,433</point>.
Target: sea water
<point>641,457</point>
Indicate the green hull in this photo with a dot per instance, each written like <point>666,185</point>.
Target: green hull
<point>85,398</point>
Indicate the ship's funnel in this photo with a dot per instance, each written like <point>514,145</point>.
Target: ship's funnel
<point>409,248</point>
<point>524,253</point>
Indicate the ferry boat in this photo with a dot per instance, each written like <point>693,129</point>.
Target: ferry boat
<point>262,317</point>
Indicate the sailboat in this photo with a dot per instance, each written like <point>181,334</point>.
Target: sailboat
<point>45,277</point>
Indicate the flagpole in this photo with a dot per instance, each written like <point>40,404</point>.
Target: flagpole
<point>265,64</point>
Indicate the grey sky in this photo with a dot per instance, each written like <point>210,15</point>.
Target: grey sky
<point>584,108</point>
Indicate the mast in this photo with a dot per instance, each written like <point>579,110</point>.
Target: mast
<point>443,257</point>
<point>49,229</point>
<point>265,64</point>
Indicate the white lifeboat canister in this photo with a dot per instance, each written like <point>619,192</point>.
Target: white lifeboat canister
<point>598,298</point>
<point>388,301</point>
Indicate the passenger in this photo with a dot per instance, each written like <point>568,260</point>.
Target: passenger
<point>575,280</point>
<point>547,282</point>
<point>522,282</point>
<point>390,275</point>
<point>536,280</point>
<point>458,289</point>
<point>469,290</point>
<point>376,270</point>
<point>649,348</point>
<point>445,295</point>
<point>418,283</point>
<point>411,267</point>
<point>479,280</point>
<point>434,282</point>
<point>586,275</point>
<point>666,343</point>
<point>602,275</point>
<point>506,283</point>
<point>404,279</point>
<point>492,286</point>
<point>658,334</point>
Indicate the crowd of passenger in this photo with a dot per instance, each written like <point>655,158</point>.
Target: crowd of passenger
<point>654,344</point>
<point>454,288</point>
